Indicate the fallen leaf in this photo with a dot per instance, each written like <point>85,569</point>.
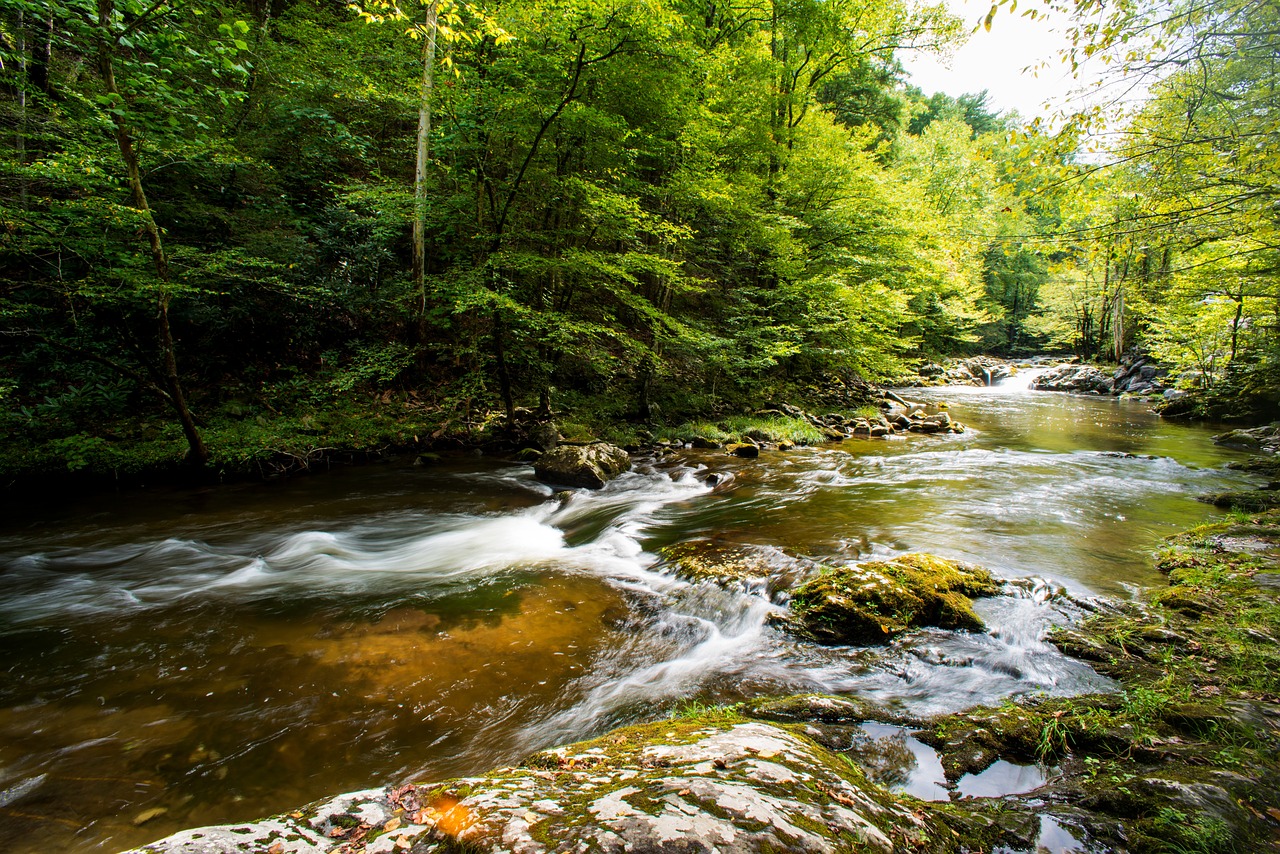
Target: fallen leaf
<point>1274,813</point>
<point>530,816</point>
<point>295,814</point>
<point>391,825</point>
<point>146,815</point>
<point>276,848</point>
<point>405,797</point>
<point>403,842</point>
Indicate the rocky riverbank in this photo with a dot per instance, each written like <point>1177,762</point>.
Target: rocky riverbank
<point>1136,375</point>
<point>1183,757</point>
<point>975,371</point>
<point>780,427</point>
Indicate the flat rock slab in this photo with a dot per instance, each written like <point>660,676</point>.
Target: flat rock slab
<point>347,820</point>
<point>683,786</point>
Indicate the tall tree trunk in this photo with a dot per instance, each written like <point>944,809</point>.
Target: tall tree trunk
<point>1117,323</point>
<point>41,55</point>
<point>23,82</point>
<point>197,453</point>
<point>1235,323</point>
<point>504,376</point>
<point>424,153</point>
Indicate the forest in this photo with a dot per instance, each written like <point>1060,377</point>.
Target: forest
<point>235,231</point>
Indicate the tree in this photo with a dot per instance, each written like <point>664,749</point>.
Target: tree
<point>453,23</point>
<point>156,72</point>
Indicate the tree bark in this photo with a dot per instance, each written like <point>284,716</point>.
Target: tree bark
<point>23,82</point>
<point>423,155</point>
<point>504,376</point>
<point>197,454</point>
<point>41,55</point>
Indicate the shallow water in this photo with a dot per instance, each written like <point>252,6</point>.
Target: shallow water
<point>217,655</point>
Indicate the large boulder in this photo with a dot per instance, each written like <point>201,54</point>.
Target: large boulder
<point>873,602</point>
<point>590,466</point>
<point>694,786</point>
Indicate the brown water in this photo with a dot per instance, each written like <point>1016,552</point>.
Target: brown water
<point>181,658</point>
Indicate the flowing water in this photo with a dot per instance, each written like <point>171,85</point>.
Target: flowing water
<point>178,658</point>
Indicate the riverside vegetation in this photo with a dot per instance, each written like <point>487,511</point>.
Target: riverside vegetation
<point>254,236</point>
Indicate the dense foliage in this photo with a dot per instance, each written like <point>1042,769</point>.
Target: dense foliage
<point>221,216</point>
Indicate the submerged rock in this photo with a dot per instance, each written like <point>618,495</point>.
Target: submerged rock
<point>731,565</point>
<point>590,466</point>
<point>873,602</point>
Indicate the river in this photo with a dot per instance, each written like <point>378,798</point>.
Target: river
<point>177,658</point>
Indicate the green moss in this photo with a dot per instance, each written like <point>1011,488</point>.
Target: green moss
<point>872,602</point>
<point>1250,500</point>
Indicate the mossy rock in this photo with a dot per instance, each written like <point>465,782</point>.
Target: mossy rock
<point>1265,439</point>
<point>1250,500</point>
<point>734,566</point>
<point>704,560</point>
<point>872,603</point>
<point>589,466</point>
<point>1185,601</point>
<point>1269,467</point>
<point>824,708</point>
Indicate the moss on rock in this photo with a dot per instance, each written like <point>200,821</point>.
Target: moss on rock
<point>1249,500</point>
<point>823,708</point>
<point>589,466</point>
<point>872,602</point>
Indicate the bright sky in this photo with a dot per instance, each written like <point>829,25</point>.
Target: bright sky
<point>995,61</point>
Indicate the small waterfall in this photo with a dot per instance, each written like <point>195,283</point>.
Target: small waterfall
<point>1020,381</point>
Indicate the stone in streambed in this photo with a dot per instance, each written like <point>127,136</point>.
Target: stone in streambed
<point>704,560</point>
<point>1250,500</point>
<point>590,466</point>
<point>1265,439</point>
<point>873,602</point>
<point>824,708</point>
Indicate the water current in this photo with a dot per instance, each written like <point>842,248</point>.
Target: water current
<point>176,658</point>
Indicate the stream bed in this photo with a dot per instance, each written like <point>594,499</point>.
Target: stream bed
<point>178,658</point>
